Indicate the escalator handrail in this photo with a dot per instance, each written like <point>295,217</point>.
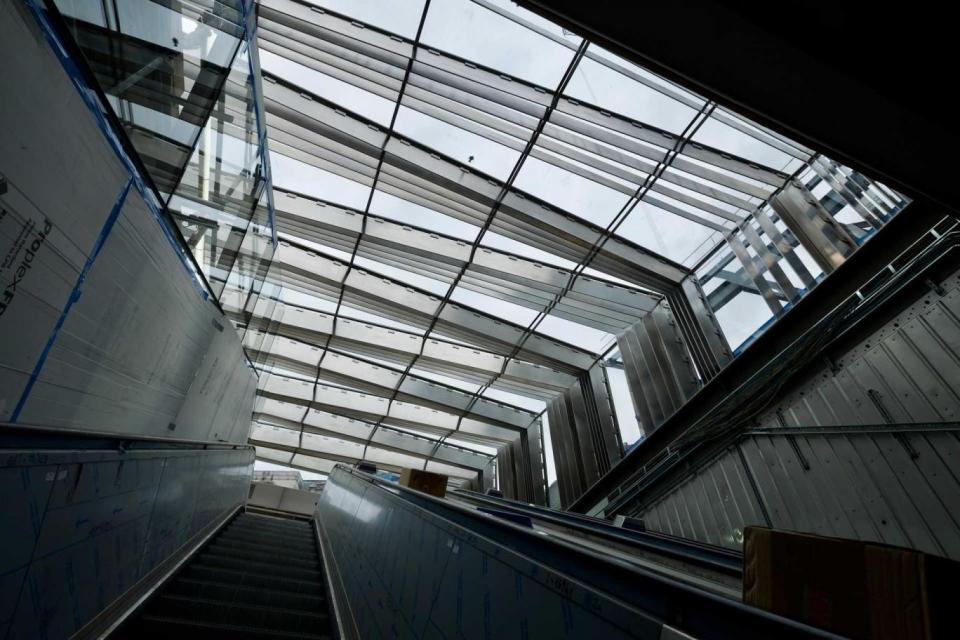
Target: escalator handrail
<point>712,557</point>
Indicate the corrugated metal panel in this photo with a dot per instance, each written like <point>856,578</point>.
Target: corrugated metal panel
<point>906,372</point>
<point>899,486</point>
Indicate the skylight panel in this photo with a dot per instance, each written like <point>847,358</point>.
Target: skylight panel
<point>470,31</point>
<point>598,85</point>
<point>401,17</point>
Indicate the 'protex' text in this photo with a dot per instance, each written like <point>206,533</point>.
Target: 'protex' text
<point>26,263</point>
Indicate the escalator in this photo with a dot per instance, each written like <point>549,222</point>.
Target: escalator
<point>405,564</point>
<point>259,577</point>
<point>708,567</point>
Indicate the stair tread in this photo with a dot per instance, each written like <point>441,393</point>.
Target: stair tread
<point>260,555</point>
<point>245,573</point>
<point>231,627</point>
<point>316,599</point>
<point>247,606</point>
<point>255,566</point>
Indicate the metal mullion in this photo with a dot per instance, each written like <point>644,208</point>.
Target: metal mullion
<point>826,172</point>
<point>678,96</point>
<point>683,213</point>
<point>513,175</point>
<point>755,274</point>
<point>376,88</point>
<point>762,134</point>
<point>571,130</point>
<point>366,213</point>
<point>377,44</point>
<point>325,50</point>
<point>697,121</point>
<point>581,156</point>
<point>311,160</point>
<point>327,138</point>
<point>580,110</point>
<point>441,68</point>
<point>328,154</point>
<point>770,261</point>
<point>494,129</point>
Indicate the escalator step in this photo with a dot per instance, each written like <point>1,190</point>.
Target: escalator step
<point>253,534</point>
<point>247,595</point>
<point>306,531</point>
<point>244,615</point>
<point>280,523</point>
<point>297,572</point>
<point>198,571</point>
<point>268,543</point>
<point>267,552</point>
<point>160,627</point>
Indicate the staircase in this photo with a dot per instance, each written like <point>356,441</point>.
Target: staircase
<point>260,577</point>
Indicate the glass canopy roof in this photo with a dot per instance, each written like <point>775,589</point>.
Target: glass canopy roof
<point>471,205</point>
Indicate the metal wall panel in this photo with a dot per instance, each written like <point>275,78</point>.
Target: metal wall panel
<point>898,486</point>
<point>907,371</point>
<point>584,433</point>
<point>658,366</point>
<point>82,527</point>
<point>107,328</point>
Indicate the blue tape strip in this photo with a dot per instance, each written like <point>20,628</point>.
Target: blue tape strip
<point>73,297</point>
<point>97,108</point>
<point>250,35</point>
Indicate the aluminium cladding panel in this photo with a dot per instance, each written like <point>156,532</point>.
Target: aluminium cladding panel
<point>532,440</point>
<point>565,450</point>
<point>55,203</point>
<point>609,429</point>
<point>407,573</point>
<point>904,372</point>
<point>586,451</point>
<point>107,316</point>
<point>898,487</point>
<point>81,527</point>
<point>220,399</point>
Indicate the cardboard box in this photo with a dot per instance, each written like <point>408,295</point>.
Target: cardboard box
<point>433,483</point>
<point>855,588</point>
